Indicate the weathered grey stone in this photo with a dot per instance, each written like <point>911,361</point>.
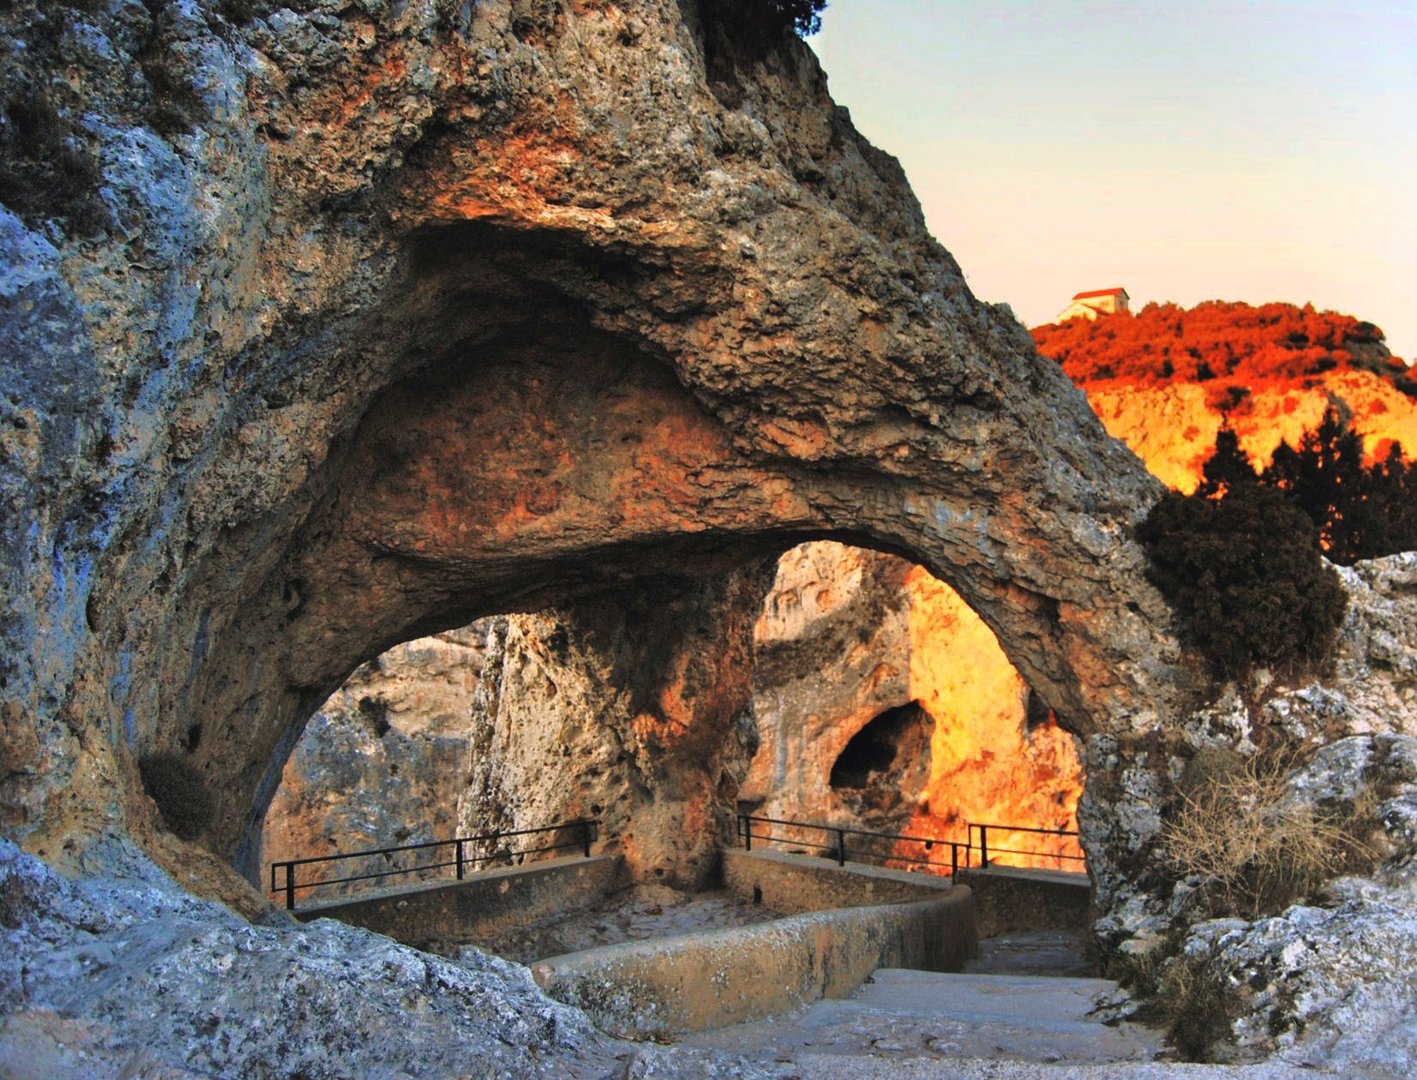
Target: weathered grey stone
<point>379,318</point>
<point>115,977</point>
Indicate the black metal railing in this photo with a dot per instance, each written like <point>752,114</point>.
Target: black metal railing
<point>586,831</point>
<point>986,854</point>
<point>834,843</point>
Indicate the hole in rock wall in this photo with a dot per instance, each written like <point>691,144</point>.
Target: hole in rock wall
<point>879,701</point>
<point>858,652</point>
<point>873,767</point>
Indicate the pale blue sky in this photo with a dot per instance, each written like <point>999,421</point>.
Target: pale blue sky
<point>1185,150</point>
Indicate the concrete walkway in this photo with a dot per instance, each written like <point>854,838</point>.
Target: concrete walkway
<point>917,1016</point>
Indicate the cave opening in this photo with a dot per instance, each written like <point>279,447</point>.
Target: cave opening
<point>867,694</point>
<point>875,749</point>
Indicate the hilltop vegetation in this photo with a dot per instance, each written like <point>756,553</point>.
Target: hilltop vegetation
<point>1239,558</point>
<point>1234,347</point>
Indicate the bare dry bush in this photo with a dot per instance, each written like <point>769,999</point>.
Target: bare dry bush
<point>1256,846</point>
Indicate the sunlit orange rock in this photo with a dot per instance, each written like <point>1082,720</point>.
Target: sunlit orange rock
<point>850,643</point>
<point>1165,379</point>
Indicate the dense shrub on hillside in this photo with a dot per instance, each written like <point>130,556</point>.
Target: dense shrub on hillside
<point>1245,577</point>
<point>1356,511</point>
<point>1222,344</point>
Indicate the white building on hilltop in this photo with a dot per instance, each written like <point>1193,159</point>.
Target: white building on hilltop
<point>1089,305</point>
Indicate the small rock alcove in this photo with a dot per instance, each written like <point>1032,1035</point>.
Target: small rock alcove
<point>871,764</point>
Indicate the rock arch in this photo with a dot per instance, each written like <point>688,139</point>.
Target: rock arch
<point>476,316</point>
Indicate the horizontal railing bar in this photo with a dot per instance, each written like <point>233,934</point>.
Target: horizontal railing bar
<point>366,877</point>
<point>588,827</point>
<point>1024,828</point>
<point>795,843</point>
<point>850,832</point>
<point>1031,851</point>
<point>961,851</point>
<point>432,844</point>
<point>426,866</point>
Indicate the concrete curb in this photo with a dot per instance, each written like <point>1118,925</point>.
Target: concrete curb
<point>715,978</point>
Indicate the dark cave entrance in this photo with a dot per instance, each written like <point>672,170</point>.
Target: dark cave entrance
<point>873,762</point>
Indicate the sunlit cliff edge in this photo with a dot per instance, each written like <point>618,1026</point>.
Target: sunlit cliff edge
<point>1165,379</point>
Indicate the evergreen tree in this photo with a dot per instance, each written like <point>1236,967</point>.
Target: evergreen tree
<point>1244,575</point>
<point>1360,513</point>
<point>763,21</point>
<point>1227,468</point>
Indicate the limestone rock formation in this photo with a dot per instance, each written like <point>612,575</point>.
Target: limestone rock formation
<point>117,976</point>
<point>877,700</point>
<point>417,315</point>
<point>385,761</point>
<point>1303,981</point>
<point>333,325</point>
<point>1328,983</point>
<point>854,644</point>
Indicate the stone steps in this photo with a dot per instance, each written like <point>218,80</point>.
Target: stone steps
<point>916,1017</point>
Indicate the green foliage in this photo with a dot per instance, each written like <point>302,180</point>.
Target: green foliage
<point>1360,512</point>
<point>1245,577</point>
<point>1356,511</point>
<point>1228,468</point>
<point>181,795</point>
<point>764,22</point>
<point>1198,1004</point>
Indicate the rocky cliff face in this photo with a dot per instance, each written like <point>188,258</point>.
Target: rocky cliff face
<point>386,760</point>
<point>1164,380</point>
<point>875,699</point>
<point>883,702</point>
<point>330,326</point>
<point>436,314</point>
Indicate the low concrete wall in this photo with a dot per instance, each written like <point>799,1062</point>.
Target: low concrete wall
<point>485,906</point>
<point>1009,898</point>
<point>715,978</point>
<point>794,884</point>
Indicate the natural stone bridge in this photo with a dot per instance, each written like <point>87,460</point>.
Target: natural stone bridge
<point>346,323</point>
<point>471,348</point>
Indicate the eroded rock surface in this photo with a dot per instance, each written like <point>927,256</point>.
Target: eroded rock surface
<point>882,701</point>
<point>439,314</point>
<point>387,760</point>
<point>343,324</point>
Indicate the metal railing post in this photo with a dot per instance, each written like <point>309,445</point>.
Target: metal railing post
<point>954,860</point>
<point>289,886</point>
<point>457,857</point>
<point>840,847</point>
<point>984,846</point>
<point>585,837</point>
<point>746,823</point>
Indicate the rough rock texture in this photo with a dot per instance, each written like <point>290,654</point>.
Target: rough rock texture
<point>852,641</point>
<point>1326,983</point>
<point>632,709</point>
<point>127,976</point>
<point>427,313</point>
<point>414,746</point>
<point>1330,984</point>
<point>385,761</point>
<point>1173,428</point>
<point>351,322</point>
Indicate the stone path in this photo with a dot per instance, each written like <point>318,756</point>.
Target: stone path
<point>1034,952</point>
<point>909,1016</point>
<point>636,914</point>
